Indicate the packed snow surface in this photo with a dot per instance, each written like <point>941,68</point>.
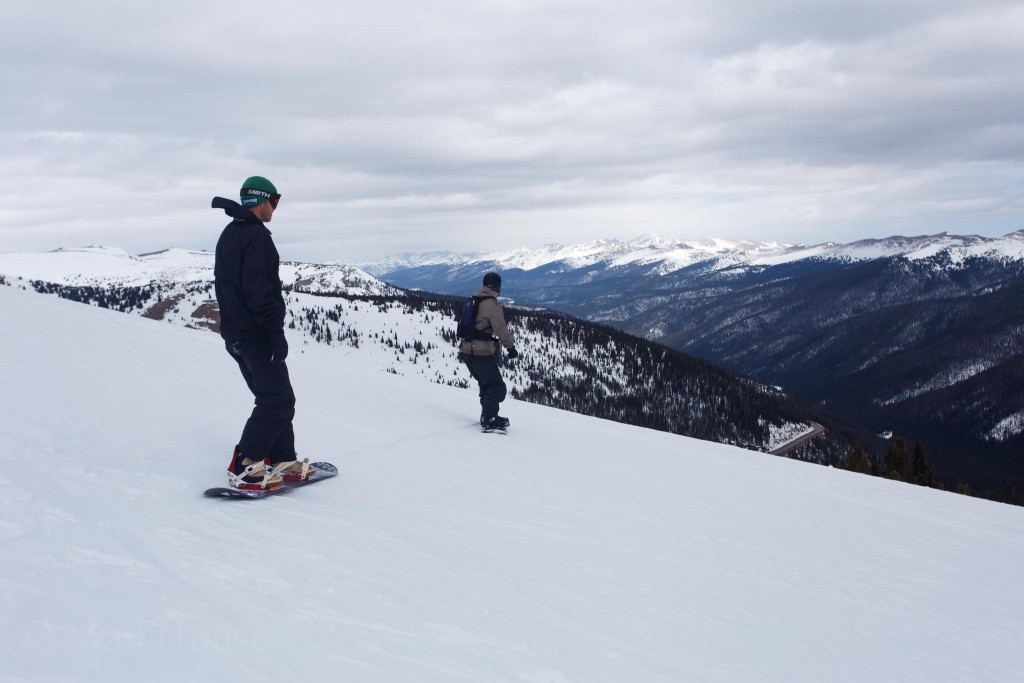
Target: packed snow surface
<point>570,550</point>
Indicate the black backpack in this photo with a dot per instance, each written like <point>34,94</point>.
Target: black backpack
<point>467,320</point>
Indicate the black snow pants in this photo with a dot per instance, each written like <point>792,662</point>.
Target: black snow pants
<point>268,432</point>
<point>484,370</point>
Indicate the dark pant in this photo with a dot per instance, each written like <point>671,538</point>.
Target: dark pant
<point>268,433</point>
<point>484,370</point>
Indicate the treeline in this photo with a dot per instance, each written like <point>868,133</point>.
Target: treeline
<point>900,464</point>
<point>122,299</point>
<point>117,298</point>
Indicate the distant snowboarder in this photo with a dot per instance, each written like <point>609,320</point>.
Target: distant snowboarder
<point>252,313</point>
<point>479,351</point>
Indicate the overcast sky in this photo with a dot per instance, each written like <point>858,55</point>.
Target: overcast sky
<point>394,127</point>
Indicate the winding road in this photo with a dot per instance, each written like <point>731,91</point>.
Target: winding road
<point>816,431</point>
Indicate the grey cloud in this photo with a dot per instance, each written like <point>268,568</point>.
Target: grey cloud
<point>389,125</point>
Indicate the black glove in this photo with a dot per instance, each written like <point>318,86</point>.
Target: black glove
<point>512,353</point>
<point>278,348</point>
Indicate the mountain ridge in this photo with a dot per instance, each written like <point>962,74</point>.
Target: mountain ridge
<point>680,253</point>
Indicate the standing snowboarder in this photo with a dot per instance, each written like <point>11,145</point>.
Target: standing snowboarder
<point>480,352</point>
<point>252,313</point>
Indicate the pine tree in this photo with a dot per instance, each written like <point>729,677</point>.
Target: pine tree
<point>858,460</point>
<point>922,469</point>
<point>897,460</point>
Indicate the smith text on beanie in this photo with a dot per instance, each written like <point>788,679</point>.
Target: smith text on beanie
<point>256,190</point>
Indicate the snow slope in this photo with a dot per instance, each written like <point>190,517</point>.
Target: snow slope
<point>571,550</point>
<point>107,266</point>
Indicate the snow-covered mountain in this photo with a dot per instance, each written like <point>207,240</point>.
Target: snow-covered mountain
<point>113,267</point>
<point>572,549</point>
<point>921,336</point>
<point>667,254</point>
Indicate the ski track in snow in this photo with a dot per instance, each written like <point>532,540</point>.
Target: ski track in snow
<point>574,549</point>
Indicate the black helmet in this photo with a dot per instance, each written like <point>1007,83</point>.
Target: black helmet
<point>493,280</point>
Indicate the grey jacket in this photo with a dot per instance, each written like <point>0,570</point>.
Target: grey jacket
<point>490,319</point>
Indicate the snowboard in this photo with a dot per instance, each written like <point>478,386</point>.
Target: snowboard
<point>484,430</point>
<point>327,471</point>
<point>495,431</point>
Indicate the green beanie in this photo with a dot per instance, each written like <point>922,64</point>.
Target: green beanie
<point>256,190</point>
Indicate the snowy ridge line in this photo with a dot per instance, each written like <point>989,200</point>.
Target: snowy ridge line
<point>87,264</point>
<point>110,266</point>
<point>669,254</point>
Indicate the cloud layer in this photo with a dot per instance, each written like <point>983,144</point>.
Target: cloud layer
<point>397,127</point>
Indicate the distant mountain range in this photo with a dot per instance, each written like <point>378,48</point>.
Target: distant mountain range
<point>921,336</point>
<point>663,254</point>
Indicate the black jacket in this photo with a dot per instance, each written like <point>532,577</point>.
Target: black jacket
<point>246,278</point>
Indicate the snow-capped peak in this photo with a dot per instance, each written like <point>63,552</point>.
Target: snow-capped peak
<point>656,241</point>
